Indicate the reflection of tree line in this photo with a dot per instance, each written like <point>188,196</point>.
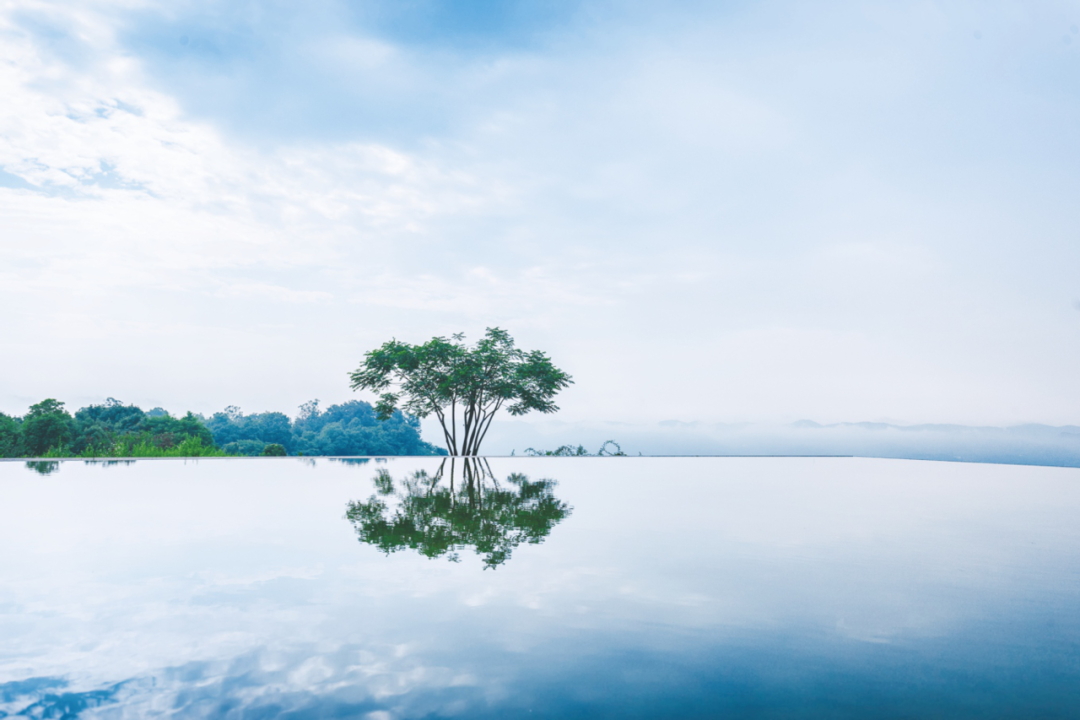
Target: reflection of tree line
<point>48,467</point>
<point>472,508</point>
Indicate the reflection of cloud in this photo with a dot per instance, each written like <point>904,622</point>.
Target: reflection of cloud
<point>633,671</point>
<point>347,681</point>
<point>197,586</point>
<point>16,690</point>
<point>39,698</point>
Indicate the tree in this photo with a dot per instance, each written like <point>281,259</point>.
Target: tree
<point>10,437</point>
<point>232,426</point>
<point>114,414</point>
<point>434,519</point>
<point>47,426</point>
<point>99,427</point>
<point>446,378</point>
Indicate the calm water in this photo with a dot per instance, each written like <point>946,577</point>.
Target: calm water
<point>579,587</point>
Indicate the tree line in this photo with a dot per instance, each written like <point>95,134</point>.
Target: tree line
<point>114,429</point>
<point>463,387</point>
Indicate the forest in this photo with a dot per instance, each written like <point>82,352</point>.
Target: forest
<point>114,429</point>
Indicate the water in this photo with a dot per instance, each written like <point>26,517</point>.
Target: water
<point>578,587</point>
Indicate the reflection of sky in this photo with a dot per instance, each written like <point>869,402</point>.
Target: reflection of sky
<point>698,585</point>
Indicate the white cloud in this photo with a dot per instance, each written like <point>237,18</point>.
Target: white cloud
<point>735,216</point>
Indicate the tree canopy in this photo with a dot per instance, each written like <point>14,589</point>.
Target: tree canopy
<point>350,428</point>
<point>446,378</point>
<point>10,437</point>
<point>47,426</point>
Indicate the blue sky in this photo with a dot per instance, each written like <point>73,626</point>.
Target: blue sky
<point>707,212</point>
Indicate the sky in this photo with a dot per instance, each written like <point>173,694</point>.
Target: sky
<point>704,211</point>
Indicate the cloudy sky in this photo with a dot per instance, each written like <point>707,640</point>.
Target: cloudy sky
<point>705,211</point>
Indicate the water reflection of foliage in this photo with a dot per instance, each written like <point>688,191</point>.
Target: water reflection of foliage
<point>48,467</point>
<point>436,518</point>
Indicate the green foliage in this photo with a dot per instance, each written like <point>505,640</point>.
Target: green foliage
<point>115,430</point>
<point>178,428</point>
<point>440,520</point>
<point>445,377</point>
<point>351,428</point>
<point>113,416</point>
<point>610,448</point>
<point>249,448</point>
<point>151,446</point>
<point>274,450</point>
<point>109,430</point>
<point>10,437</point>
<point>232,426</point>
<point>47,427</point>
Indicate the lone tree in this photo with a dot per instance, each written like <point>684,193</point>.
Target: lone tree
<point>447,378</point>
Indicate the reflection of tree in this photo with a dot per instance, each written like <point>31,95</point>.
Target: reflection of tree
<point>43,467</point>
<point>436,519</point>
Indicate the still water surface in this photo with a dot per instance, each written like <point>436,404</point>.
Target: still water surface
<point>577,587</point>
